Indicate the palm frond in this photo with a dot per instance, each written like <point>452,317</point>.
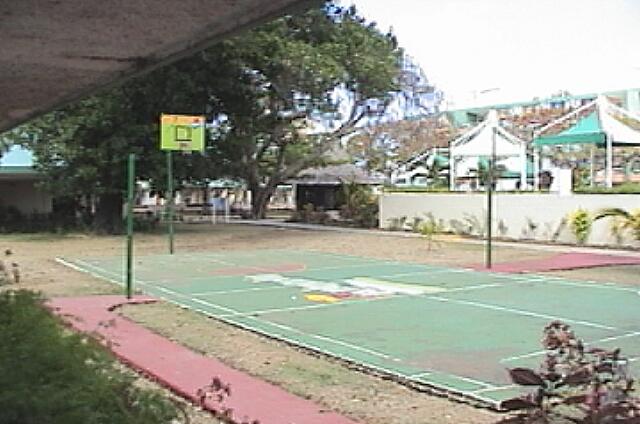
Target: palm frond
<point>606,212</point>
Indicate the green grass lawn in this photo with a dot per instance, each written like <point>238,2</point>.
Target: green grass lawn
<point>50,375</point>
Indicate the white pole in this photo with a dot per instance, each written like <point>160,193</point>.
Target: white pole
<point>591,166</point>
<point>536,168</point>
<point>452,170</point>
<point>609,141</point>
<point>523,167</point>
<point>226,208</point>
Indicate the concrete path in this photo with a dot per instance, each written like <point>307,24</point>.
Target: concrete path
<point>185,372</point>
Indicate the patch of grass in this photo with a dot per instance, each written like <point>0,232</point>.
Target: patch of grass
<point>49,375</point>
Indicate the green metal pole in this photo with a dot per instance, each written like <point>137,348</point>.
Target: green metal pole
<point>131,176</point>
<point>170,199</point>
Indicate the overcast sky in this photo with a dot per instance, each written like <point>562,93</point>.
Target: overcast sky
<point>516,49</point>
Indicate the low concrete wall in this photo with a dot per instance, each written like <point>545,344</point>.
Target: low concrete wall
<point>518,216</point>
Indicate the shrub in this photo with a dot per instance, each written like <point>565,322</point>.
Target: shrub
<point>310,215</point>
<point>48,375</point>
<point>428,228</point>
<point>580,222</point>
<point>360,205</point>
<point>574,384</point>
<point>397,224</point>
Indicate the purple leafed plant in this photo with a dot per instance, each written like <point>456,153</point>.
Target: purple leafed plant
<point>574,384</point>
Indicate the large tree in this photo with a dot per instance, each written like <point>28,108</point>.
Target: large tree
<point>304,83</point>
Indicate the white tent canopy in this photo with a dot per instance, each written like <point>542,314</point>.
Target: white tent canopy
<point>487,139</point>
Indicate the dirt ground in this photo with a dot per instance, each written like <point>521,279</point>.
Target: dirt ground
<point>365,398</point>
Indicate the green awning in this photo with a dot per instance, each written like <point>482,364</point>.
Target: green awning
<point>483,162</point>
<point>586,131</point>
<point>441,161</point>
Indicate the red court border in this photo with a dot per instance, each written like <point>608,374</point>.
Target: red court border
<point>561,262</point>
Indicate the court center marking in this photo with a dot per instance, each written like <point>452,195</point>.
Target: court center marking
<point>602,340</point>
<point>520,312</point>
<point>238,313</point>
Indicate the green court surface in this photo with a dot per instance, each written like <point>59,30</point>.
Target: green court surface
<point>455,330</point>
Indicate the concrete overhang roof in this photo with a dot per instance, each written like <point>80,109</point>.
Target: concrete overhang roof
<point>57,51</point>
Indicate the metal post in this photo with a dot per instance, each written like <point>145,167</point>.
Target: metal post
<point>609,144</point>
<point>591,167</point>
<point>492,161</point>
<point>130,198</point>
<point>170,199</point>
<point>452,169</point>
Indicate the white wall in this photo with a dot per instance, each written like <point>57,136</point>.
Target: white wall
<point>517,216</point>
<point>25,196</point>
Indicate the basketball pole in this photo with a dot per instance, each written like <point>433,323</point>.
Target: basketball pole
<point>170,199</point>
<point>131,171</point>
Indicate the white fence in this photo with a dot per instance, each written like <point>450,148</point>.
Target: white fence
<point>516,216</point>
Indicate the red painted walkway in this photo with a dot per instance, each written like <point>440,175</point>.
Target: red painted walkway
<point>182,370</point>
<point>563,261</point>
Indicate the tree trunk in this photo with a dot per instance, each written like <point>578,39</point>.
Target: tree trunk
<point>108,218</point>
<point>260,197</point>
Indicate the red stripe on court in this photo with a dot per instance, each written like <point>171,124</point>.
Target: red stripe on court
<point>563,261</point>
<point>249,270</point>
<point>184,371</point>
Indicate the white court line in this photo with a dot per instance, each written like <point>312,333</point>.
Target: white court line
<point>106,271</point>
<point>259,270</point>
<point>586,284</point>
<point>476,287</point>
<point>488,386</point>
<point>250,289</point>
<point>603,340</point>
<point>93,274</point>
<point>421,374</point>
<point>496,388</point>
<point>319,306</point>
<point>405,274</point>
<point>214,305</point>
<point>520,312</point>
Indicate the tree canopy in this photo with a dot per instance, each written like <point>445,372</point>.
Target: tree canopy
<point>278,99</point>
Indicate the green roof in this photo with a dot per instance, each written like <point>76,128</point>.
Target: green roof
<point>17,170</point>
<point>586,131</point>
